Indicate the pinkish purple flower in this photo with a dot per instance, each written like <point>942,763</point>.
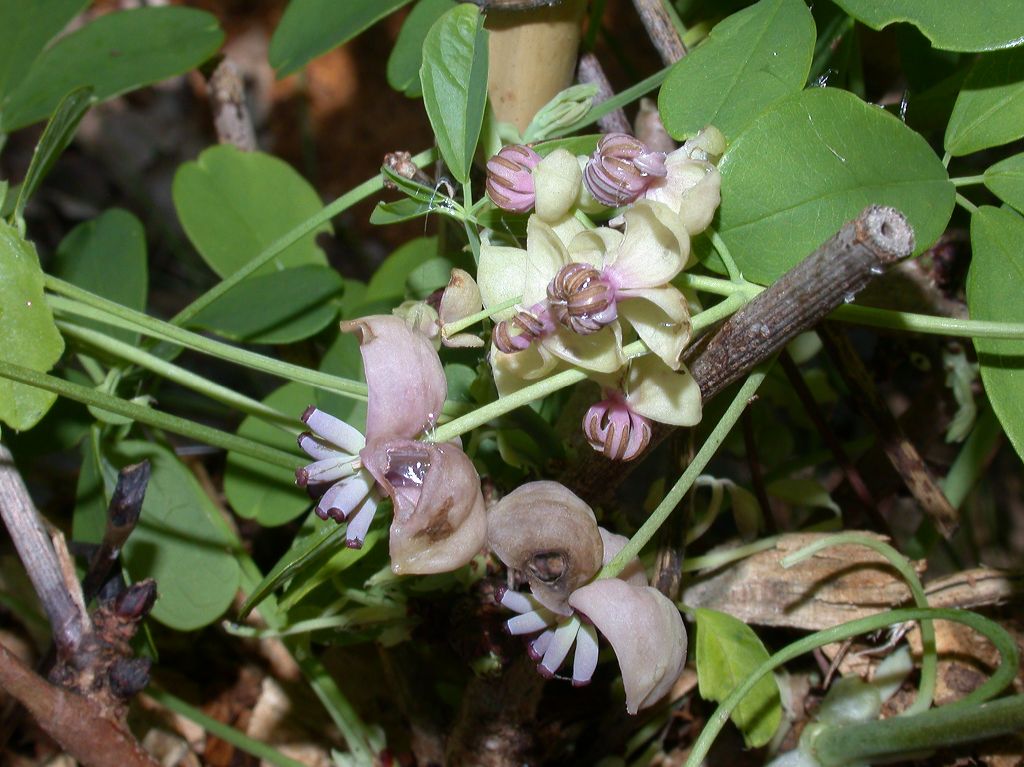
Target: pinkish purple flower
<point>612,428</point>
<point>621,168</point>
<point>439,521</point>
<point>510,178</point>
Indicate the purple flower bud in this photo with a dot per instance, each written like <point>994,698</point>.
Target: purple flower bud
<point>516,334</point>
<point>614,429</point>
<point>510,178</point>
<point>581,299</point>
<point>621,168</point>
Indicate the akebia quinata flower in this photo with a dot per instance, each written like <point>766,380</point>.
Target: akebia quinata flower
<point>439,520</point>
<point>510,178</point>
<point>621,168</point>
<point>550,536</point>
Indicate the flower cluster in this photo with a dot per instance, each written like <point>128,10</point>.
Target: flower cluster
<point>583,292</point>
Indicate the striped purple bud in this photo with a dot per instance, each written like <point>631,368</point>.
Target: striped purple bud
<point>528,325</point>
<point>581,300</point>
<point>510,178</point>
<point>621,168</point>
<point>616,431</point>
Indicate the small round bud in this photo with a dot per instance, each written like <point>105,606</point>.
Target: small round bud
<point>516,334</point>
<point>510,178</point>
<point>621,168</point>
<point>616,431</point>
<point>581,299</point>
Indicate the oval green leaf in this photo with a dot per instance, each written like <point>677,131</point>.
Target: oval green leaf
<point>983,26</point>
<point>728,651</point>
<point>454,81</point>
<point>115,53</point>
<point>291,305</point>
<point>178,543</point>
<point>751,60</point>
<point>28,336</point>
<point>993,293</point>
<point>25,34</point>
<point>990,108</point>
<point>112,243</point>
<point>407,55</point>
<point>813,162</point>
<point>233,204</point>
<point>310,28</point>
<point>1006,181</point>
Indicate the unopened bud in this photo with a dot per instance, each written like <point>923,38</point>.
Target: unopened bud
<point>510,178</point>
<point>621,168</point>
<point>516,334</point>
<point>581,300</point>
<point>616,431</point>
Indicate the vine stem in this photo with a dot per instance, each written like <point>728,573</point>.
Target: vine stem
<point>149,416</point>
<point>867,315</point>
<point>288,239</point>
<point>966,204</point>
<point>968,180</point>
<point>929,660</point>
<point>909,735</point>
<point>451,328</point>
<point>675,495</point>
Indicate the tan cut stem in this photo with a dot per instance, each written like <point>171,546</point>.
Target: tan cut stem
<point>532,57</point>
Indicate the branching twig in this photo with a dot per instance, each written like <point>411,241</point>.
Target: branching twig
<point>589,70</point>
<point>661,30</point>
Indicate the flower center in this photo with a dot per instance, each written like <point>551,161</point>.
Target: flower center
<point>584,301</point>
<point>528,325</point>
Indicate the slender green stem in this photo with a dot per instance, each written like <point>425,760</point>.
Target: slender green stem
<point>288,239</point>
<point>721,557</point>
<point>946,158</point>
<point>447,331</point>
<point>966,204</point>
<point>929,661</point>
<point>224,732</point>
<point>867,315</point>
<point>91,306</point>
<point>180,375</point>
<point>155,418</point>
<point>968,180</point>
<point>673,15</point>
<point>631,94</point>
<point>970,462</point>
<point>724,254</point>
<point>675,495</point>
<point>721,310</point>
<point>869,742</point>
<point>993,631</point>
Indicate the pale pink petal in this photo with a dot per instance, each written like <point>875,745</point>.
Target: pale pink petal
<point>528,623</point>
<point>646,632</point>
<point>359,524</point>
<point>326,470</point>
<point>585,660</point>
<point>316,448</point>
<point>404,376</point>
<point>633,573</point>
<point>539,646</point>
<point>600,352</point>
<point>517,601</point>
<point>661,317</point>
<point>460,299</point>
<point>657,392</point>
<point>333,430</point>
<point>650,253</point>
<point>439,523</point>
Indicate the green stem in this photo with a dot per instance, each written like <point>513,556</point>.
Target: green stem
<point>631,94</point>
<point>447,331</point>
<point>966,204</point>
<point>86,304</point>
<point>1005,674</point>
<point>929,661</point>
<point>724,254</point>
<point>869,742</point>
<point>285,241</point>
<point>867,315</point>
<point>970,462</point>
<point>228,734</point>
<point>155,418</point>
<point>968,180</point>
<point>721,557</point>
<point>675,495</point>
<point>179,375</point>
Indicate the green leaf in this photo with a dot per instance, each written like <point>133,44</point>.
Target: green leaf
<point>115,53</point>
<point>815,161</point>
<point>255,489</point>
<point>387,285</point>
<point>25,34</point>
<point>233,204</point>
<point>728,651</point>
<point>990,108</point>
<point>310,28</point>
<point>1006,180</point>
<point>276,308</point>
<point>28,336</point>
<point>407,55</point>
<point>113,243</point>
<point>55,139</point>
<point>454,80</point>
<point>428,277</point>
<point>993,293</point>
<point>983,26</point>
<point>178,543</point>
<point>751,60</point>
